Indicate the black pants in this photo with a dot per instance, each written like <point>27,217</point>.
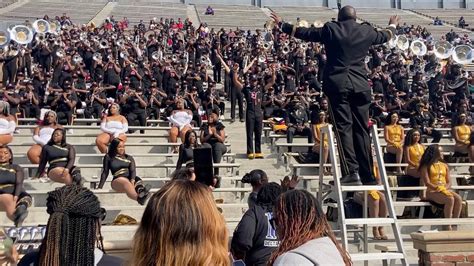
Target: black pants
<point>253,127</point>
<point>218,150</point>
<point>153,112</point>
<point>236,96</point>
<point>31,110</point>
<point>64,117</point>
<point>9,74</point>
<point>292,131</point>
<point>93,111</point>
<point>435,134</point>
<point>351,114</point>
<point>137,119</point>
<point>217,71</point>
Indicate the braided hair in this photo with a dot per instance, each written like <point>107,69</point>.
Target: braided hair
<point>299,219</point>
<point>73,227</point>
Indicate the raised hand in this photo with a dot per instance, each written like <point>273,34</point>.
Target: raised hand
<point>394,20</point>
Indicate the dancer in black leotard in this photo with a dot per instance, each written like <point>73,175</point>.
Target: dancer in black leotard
<point>61,157</point>
<point>122,167</point>
<point>13,198</point>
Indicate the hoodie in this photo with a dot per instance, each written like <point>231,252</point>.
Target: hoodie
<point>320,251</point>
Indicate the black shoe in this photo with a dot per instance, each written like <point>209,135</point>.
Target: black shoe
<point>143,191</point>
<point>21,213</point>
<point>242,120</point>
<point>232,120</point>
<point>77,177</point>
<point>351,179</point>
<point>142,197</point>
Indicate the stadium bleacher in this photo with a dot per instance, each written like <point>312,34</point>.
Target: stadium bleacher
<point>228,16</point>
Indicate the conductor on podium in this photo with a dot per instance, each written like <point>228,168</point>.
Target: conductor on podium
<point>345,83</point>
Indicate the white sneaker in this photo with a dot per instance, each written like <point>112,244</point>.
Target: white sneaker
<point>70,131</point>
<point>222,117</point>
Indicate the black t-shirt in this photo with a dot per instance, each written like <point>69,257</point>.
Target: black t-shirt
<point>63,106</point>
<point>255,236</point>
<point>254,97</point>
<point>31,259</point>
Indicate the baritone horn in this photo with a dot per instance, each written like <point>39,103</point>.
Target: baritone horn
<point>21,34</point>
<point>418,48</point>
<point>462,54</point>
<point>41,26</point>
<point>443,49</point>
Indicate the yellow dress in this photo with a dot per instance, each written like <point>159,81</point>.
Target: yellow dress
<point>415,151</point>
<point>395,134</point>
<point>464,133</point>
<point>438,174</point>
<point>318,127</point>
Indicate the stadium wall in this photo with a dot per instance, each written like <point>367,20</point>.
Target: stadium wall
<point>403,4</point>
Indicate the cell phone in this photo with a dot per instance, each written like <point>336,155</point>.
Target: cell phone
<point>203,167</point>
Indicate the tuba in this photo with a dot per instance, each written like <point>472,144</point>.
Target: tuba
<point>41,26</point>
<point>21,34</point>
<point>54,27</point>
<point>418,48</point>
<point>4,38</point>
<point>462,54</point>
<point>443,49</point>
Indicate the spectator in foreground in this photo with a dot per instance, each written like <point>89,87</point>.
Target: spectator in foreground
<point>305,235</point>
<point>73,234</point>
<point>181,226</point>
<point>254,239</point>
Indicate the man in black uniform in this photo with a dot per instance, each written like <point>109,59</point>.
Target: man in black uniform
<point>345,83</point>
<point>253,114</point>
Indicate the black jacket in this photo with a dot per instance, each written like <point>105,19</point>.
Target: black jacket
<point>254,236</point>
<point>346,43</point>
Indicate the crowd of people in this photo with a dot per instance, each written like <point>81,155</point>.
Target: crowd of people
<point>173,70</point>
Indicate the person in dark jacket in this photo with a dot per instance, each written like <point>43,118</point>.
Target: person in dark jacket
<point>254,239</point>
<point>298,123</point>
<point>345,83</point>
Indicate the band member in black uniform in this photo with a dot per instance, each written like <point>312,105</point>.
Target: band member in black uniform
<point>29,100</point>
<point>10,65</point>
<point>61,157</point>
<point>345,83</point>
<point>64,104</point>
<point>253,94</point>
<point>235,92</point>
<point>134,104</point>
<point>122,167</point>
<point>13,198</point>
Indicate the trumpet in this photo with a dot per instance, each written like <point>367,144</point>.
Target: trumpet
<point>285,49</point>
<point>41,26</point>
<point>304,46</point>
<point>124,55</point>
<point>155,55</point>
<point>97,57</point>
<point>103,44</point>
<point>120,43</point>
<point>286,43</point>
<point>77,59</point>
<point>174,58</point>
<point>40,37</point>
<point>60,53</point>
<point>267,45</point>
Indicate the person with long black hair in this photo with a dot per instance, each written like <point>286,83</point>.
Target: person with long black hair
<point>435,174</point>
<point>213,134</point>
<point>254,239</point>
<point>73,235</point>
<point>185,152</point>
<point>61,157</point>
<point>13,198</point>
<point>122,166</point>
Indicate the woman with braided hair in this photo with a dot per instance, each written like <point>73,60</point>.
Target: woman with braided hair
<point>73,234</point>
<point>435,174</point>
<point>13,198</point>
<point>123,170</point>
<point>305,235</point>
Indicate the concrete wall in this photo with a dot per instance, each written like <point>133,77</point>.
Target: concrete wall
<point>293,3</point>
<point>420,4</point>
<point>220,2</point>
<point>362,3</point>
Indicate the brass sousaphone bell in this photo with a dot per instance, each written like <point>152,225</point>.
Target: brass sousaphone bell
<point>21,34</point>
<point>4,38</point>
<point>41,26</point>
